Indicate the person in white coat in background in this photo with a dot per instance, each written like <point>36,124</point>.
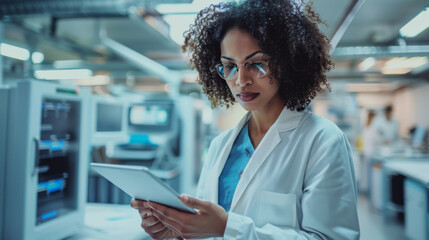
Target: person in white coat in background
<point>282,172</point>
<point>386,128</point>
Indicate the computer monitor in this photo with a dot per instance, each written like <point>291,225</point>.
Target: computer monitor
<point>109,117</point>
<point>108,120</point>
<point>418,137</point>
<point>150,117</point>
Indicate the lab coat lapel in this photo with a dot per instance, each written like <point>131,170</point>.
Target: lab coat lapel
<point>287,120</point>
<point>223,156</point>
<point>267,145</point>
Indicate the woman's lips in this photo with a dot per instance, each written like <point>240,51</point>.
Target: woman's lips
<point>247,97</point>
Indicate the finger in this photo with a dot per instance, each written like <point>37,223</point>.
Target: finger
<point>170,217</point>
<point>145,212</point>
<point>164,234</point>
<point>150,221</point>
<point>194,202</point>
<point>167,212</point>
<point>136,203</point>
<point>152,228</point>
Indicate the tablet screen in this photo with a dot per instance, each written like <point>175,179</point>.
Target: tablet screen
<point>140,183</point>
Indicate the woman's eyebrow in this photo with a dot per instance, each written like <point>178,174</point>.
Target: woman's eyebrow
<point>246,58</point>
<point>253,54</point>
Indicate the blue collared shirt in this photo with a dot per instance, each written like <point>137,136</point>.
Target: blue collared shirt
<point>241,151</point>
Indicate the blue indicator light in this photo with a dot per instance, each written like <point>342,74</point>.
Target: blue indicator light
<point>53,145</point>
<point>57,145</point>
<point>49,215</point>
<point>52,185</point>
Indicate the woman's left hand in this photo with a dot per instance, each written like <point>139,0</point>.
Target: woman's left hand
<point>210,221</point>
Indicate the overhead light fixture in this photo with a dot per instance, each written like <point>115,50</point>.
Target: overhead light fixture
<point>417,25</point>
<point>68,74</point>
<point>403,65</point>
<point>12,51</point>
<point>367,64</point>
<point>93,81</point>
<point>37,57</point>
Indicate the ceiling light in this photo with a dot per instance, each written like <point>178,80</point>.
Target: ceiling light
<point>12,51</point>
<point>63,74</point>
<point>403,65</point>
<point>395,71</point>
<point>417,25</point>
<point>37,57</point>
<point>367,64</point>
<point>93,81</point>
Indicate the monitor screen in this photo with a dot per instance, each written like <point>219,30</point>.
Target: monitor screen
<point>109,117</point>
<point>418,136</point>
<point>157,115</point>
<point>150,117</point>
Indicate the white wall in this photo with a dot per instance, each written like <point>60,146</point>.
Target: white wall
<point>411,107</point>
<point>374,100</point>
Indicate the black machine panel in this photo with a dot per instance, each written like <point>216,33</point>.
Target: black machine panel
<point>57,158</point>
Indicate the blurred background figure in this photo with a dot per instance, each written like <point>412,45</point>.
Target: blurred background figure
<point>386,127</point>
<point>369,139</point>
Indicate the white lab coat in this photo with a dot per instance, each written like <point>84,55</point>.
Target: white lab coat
<point>298,184</point>
<point>386,130</point>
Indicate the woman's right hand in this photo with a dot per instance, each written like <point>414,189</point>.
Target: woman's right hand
<point>152,226</point>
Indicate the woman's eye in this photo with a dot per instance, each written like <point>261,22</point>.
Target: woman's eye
<point>258,64</point>
<point>229,66</point>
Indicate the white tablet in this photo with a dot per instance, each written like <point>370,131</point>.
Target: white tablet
<point>140,183</point>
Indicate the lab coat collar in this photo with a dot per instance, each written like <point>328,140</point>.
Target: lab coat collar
<point>287,120</point>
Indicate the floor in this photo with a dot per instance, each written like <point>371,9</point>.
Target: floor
<point>373,227</point>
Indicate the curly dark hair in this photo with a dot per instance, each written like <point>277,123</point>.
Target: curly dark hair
<point>285,30</point>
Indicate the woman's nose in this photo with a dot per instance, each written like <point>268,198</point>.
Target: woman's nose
<point>243,78</point>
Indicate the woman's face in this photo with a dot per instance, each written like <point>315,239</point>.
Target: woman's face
<point>254,93</point>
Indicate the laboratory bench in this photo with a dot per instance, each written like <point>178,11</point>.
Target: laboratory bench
<point>111,222</point>
<point>415,195</point>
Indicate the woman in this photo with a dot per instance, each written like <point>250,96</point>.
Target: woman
<point>282,172</point>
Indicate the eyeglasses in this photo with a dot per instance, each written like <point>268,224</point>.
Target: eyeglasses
<point>228,71</point>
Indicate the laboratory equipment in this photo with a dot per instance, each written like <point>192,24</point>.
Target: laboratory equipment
<point>151,141</point>
<point>416,208</point>
<point>108,120</point>
<point>152,129</point>
<point>46,161</point>
<point>166,135</point>
<point>3,121</point>
<point>192,142</point>
<point>151,116</point>
<point>418,137</point>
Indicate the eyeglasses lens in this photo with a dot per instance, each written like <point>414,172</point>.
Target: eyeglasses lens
<point>229,72</point>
